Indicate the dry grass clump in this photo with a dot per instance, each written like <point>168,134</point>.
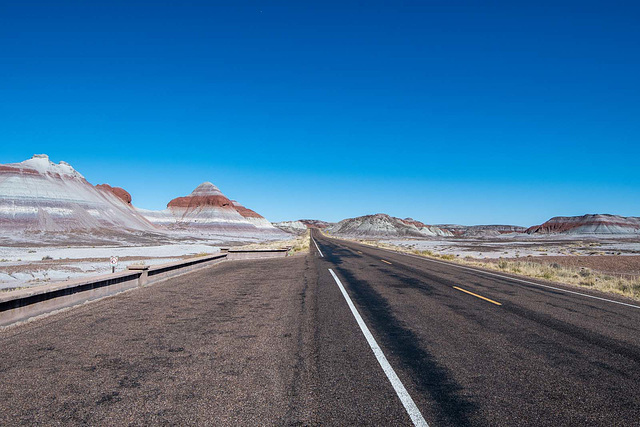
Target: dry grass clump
<point>297,244</point>
<point>301,243</point>
<point>628,286</point>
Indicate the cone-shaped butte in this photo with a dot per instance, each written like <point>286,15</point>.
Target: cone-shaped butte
<point>205,194</point>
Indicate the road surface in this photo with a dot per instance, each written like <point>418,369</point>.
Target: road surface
<point>276,342</point>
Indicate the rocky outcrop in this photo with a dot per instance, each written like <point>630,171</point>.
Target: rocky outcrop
<point>39,195</point>
<point>383,225</point>
<point>295,227</point>
<point>481,230</point>
<point>316,223</point>
<point>428,230</point>
<point>588,224</point>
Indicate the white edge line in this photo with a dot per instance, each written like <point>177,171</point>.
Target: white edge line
<point>319,251</point>
<point>401,391</point>
<point>512,278</point>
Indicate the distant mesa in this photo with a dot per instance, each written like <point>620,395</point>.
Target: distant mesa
<point>588,224</point>
<point>383,225</point>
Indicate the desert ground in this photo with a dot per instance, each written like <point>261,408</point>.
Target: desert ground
<point>24,264</point>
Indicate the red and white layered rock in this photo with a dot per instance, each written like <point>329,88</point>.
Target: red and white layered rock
<point>588,224</point>
<point>207,209</point>
<point>39,195</point>
<point>253,217</point>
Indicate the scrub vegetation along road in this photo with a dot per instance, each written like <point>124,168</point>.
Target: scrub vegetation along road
<point>346,334</point>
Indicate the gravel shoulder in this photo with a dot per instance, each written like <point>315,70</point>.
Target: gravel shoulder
<point>220,346</point>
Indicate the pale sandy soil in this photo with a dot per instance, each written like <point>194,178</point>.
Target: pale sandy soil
<point>507,247</point>
<point>32,266</point>
<point>23,262</point>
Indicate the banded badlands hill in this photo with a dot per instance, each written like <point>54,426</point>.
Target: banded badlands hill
<point>207,210</point>
<point>383,225</point>
<point>481,230</point>
<point>600,224</point>
<point>41,201</point>
<point>294,227</point>
<point>39,196</point>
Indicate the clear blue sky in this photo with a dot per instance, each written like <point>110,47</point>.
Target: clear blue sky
<point>447,111</point>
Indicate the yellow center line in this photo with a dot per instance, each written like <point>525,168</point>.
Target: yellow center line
<point>478,296</point>
<point>386,262</point>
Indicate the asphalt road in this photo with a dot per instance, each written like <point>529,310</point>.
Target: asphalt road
<point>542,357</point>
<point>274,342</point>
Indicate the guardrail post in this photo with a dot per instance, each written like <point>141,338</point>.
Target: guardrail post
<point>144,273</point>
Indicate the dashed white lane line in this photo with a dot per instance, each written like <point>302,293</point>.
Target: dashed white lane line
<point>401,391</point>
<point>319,251</point>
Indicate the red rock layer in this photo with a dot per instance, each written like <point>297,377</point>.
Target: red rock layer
<point>245,212</point>
<point>195,201</point>
<point>120,193</point>
<point>411,221</point>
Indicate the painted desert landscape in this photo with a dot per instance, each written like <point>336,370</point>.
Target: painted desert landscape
<point>57,226</point>
<point>594,251</point>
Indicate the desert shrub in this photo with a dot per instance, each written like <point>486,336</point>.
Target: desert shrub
<point>548,275</point>
<point>201,254</point>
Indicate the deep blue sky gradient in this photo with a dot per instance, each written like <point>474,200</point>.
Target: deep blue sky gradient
<point>449,111</point>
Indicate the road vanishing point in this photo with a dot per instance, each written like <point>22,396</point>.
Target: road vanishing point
<point>344,335</point>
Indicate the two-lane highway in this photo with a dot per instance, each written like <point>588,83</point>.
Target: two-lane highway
<point>344,335</point>
<point>475,348</point>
